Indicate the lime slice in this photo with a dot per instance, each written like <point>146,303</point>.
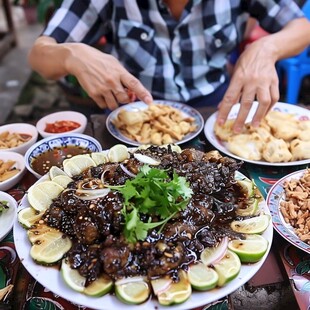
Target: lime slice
<point>253,225</point>
<point>247,187</point>
<point>211,255</point>
<point>250,210</point>
<point>99,287</point>
<point>27,217</point>
<point>72,277</point>
<point>99,157</point>
<point>118,153</point>
<point>178,292</point>
<point>132,291</point>
<point>49,247</point>
<point>77,164</point>
<point>250,250</point>
<point>62,180</point>
<point>74,280</point>
<point>161,284</point>
<point>40,195</point>
<point>201,277</point>
<point>55,171</point>
<point>227,268</point>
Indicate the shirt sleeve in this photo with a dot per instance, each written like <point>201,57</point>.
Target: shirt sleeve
<point>274,15</point>
<point>78,21</point>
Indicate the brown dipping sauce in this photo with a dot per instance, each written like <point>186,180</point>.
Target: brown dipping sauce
<point>55,157</point>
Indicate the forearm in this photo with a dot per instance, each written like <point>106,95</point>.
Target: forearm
<point>291,40</point>
<point>48,58</point>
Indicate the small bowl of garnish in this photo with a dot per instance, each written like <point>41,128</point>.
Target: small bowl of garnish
<point>8,212</point>
<point>62,122</point>
<point>12,169</point>
<point>17,137</point>
<point>52,151</point>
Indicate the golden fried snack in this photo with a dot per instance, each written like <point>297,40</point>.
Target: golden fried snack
<point>300,149</point>
<point>9,140</point>
<point>158,124</point>
<point>284,126</point>
<point>225,131</point>
<point>277,130</point>
<point>247,146</point>
<point>276,151</point>
<point>7,170</point>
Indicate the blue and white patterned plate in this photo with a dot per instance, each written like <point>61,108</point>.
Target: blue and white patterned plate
<point>298,112</point>
<point>73,139</point>
<point>139,105</point>
<point>275,195</point>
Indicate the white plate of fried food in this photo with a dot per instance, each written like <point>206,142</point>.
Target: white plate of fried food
<point>288,201</point>
<point>163,122</point>
<point>282,139</point>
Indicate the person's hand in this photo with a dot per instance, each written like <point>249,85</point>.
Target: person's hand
<point>254,78</point>
<point>102,76</point>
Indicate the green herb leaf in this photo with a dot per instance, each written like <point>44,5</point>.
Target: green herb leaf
<point>152,192</point>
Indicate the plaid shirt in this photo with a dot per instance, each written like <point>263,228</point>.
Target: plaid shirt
<point>175,60</point>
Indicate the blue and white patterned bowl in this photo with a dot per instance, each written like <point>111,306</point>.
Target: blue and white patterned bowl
<point>50,143</point>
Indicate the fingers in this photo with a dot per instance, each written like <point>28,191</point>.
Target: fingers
<point>135,86</point>
<point>264,99</point>
<point>230,98</point>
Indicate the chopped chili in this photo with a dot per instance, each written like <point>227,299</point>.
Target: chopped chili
<point>61,126</point>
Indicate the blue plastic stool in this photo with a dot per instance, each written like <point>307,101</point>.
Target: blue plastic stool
<point>296,68</point>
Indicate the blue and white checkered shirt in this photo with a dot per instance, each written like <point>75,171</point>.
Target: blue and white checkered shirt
<point>175,60</point>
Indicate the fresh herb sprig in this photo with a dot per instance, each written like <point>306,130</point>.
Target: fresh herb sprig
<point>151,193</point>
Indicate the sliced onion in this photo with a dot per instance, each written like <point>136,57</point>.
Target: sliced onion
<point>160,285</point>
<point>102,176</point>
<point>91,194</point>
<point>146,159</point>
<point>127,171</point>
<point>129,280</point>
<point>215,254</point>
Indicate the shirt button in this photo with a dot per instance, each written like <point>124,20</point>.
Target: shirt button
<point>218,42</point>
<point>177,54</point>
<point>143,36</point>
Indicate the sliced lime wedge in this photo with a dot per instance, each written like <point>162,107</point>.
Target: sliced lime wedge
<point>201,277</point>
<point>253,225</point>
<point>227,268</point>
<point>132,291</point>
<point>250,250</point>
<point>178,292</point>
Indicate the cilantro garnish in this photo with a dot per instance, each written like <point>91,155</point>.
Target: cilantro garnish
<point>151,193</point>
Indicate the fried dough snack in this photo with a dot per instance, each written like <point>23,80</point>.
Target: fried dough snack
<point>281,137</point>
<point>252,146</point>
<point>7,170</point>
<point>158,124</point>
<point>295,208</point>
<point>12,139</point>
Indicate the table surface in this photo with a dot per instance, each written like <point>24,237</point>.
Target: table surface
<point>18,290</point>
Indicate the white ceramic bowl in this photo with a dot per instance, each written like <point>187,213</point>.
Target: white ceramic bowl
<point>21,128</point>
<point>54,142</point>
<point>61,116</point>
<point>7,217</point>
<point>19,164</point>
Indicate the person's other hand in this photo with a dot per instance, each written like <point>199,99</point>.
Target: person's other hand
<point>102,76</point>
<point>254,78</point>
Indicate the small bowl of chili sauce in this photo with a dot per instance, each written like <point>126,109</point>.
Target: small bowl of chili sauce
<point>52,151</point>
<point>62,122</point>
